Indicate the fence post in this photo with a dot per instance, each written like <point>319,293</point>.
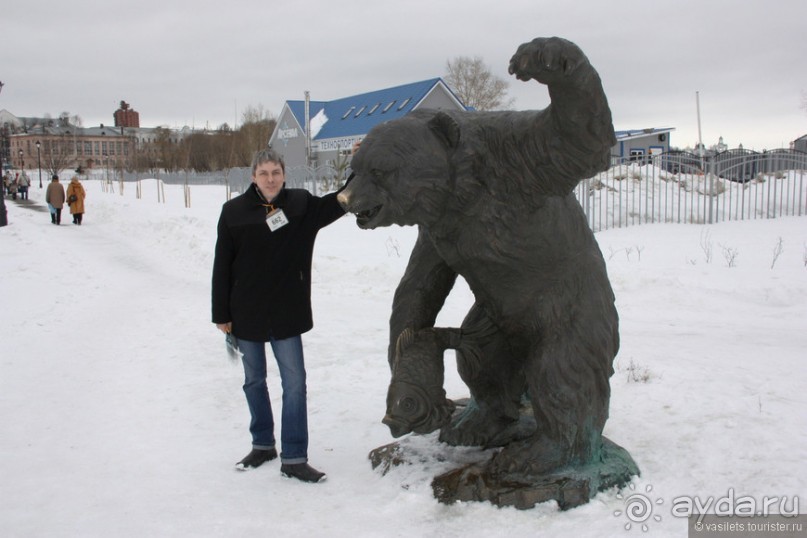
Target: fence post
<point>710,182</point>
<point>582,189</point>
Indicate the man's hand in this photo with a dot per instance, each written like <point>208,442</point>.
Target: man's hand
<point>226,328</point>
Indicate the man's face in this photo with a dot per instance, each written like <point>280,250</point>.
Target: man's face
<point>269,178</point>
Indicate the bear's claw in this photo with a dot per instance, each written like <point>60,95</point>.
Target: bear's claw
<point>534,457</point>
<point>545,59</point>
<point>475,427</point>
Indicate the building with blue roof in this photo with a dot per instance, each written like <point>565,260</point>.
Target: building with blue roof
<point>330,128</point>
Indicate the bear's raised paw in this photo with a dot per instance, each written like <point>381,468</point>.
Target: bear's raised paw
<point>546,59</point>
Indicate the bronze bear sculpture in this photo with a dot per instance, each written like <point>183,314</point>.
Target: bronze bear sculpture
<point>491,194</point>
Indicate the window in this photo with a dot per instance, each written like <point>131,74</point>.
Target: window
<point>388,106</point>
<point>359,112</point>
<point>406,102</point>
<point>349,112</point>
<point>636,154</point>
<point>375,107</point>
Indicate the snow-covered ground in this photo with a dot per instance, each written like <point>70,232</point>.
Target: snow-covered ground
<point>121,415</point>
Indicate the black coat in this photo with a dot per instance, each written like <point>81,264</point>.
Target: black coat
<point>261,278</point>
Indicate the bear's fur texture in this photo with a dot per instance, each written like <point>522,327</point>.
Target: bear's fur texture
<point>491,193</point>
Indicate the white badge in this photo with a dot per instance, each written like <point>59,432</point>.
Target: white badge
<point>276,219</point>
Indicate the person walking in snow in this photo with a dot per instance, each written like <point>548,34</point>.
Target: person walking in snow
<point>54,196</point>
<point>75,199</point>
<point>12,187</point>
<point>261,292</point>
<point>3,210</point>
<point>22,185</point>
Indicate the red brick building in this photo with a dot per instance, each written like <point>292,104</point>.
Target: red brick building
<point>126,117</point>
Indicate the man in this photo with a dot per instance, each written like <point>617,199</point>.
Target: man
<point>23,183</point>
<point>54,196</point>
<point>262,293</point>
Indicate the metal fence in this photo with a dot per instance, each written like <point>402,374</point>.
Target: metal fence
<point>674,187</point>
<point>316,180</point>
<point>237,179</point>
<point>686,188</point>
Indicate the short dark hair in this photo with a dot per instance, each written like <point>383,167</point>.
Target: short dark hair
<point>267,155</point>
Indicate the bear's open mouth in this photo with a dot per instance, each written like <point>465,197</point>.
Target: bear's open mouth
<point>363,217</point>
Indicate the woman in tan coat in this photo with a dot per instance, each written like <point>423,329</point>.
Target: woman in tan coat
<point>75,198</point>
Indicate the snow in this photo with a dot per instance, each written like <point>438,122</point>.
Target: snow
<point>123,416</point>
<point>318,122</point>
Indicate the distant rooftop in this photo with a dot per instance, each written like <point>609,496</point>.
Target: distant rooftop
<point>357,114</point>
<point>633,133</point>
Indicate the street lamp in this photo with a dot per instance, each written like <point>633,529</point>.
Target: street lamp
<point>22,163</point>
<point>39,163</point>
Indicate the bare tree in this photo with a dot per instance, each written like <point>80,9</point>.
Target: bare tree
<point>476,85</point>
<point>257,125</point>
<point>167,151</point>
<point>255,114</point>
<point>205,151</point>
<point>59,152</point>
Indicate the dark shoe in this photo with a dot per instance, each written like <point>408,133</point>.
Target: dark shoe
<point>301,471</point>
<point>256,458</point>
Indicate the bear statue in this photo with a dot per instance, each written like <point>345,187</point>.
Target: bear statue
<point>491,194</point>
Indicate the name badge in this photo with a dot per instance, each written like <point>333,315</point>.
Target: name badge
<point>276,219</point>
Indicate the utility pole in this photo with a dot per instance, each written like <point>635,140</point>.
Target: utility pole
<point>307,129</point>
<point>707,176</point>
<point>700,137</point>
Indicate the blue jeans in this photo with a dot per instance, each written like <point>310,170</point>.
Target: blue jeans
<point>294,415</point>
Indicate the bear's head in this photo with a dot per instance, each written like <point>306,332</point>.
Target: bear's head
<point>403,171</point>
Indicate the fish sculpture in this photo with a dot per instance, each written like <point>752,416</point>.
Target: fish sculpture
<point>416,399</point>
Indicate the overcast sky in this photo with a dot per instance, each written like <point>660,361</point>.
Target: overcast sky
<point>201,62</point>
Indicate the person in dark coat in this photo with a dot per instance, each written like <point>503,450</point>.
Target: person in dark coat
<point>3,210</point>
<point>261,292</point>
<point>55,197</point>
